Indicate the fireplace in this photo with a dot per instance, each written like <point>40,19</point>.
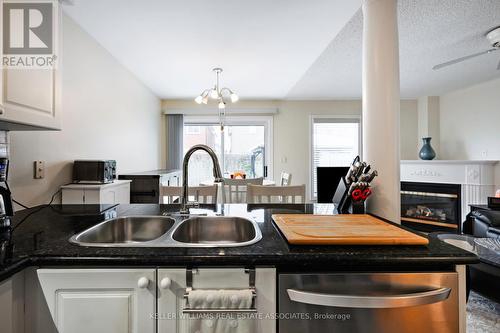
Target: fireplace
<point>431,207</point>
<point>474,180</point>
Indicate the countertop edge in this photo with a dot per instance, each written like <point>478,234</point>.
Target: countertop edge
<point>404,263</point>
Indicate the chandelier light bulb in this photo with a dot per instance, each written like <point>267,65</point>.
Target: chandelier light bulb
<point>214,94</point>
<point>220,95</point>
<point>234,98</point>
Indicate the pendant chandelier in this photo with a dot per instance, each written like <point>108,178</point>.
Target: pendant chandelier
<point>221,95</point>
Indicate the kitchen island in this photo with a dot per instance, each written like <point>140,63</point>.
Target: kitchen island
<point>40,241</point>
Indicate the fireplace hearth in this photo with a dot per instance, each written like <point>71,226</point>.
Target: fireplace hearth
<point>431,207</point>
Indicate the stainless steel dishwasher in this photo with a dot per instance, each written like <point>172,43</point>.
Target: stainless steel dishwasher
<point>368,302</point>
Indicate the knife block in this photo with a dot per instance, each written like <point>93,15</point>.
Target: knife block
<point>358,207</point>
<point>345,202</point>
<point>349,206</point>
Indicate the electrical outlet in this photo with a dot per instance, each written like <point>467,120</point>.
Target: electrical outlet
<point>484,153</point>
<point>39,169</point>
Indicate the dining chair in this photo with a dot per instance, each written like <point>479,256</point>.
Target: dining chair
<point>285,179</point>
<point>276,194</point>
<point>200,194</point>
<point>235,190</point>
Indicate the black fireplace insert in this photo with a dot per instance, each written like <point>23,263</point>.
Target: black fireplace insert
<point>431,207</point>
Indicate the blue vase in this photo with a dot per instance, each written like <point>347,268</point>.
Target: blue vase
<point>427,153</point>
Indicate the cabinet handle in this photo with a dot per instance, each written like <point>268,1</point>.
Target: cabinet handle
<point>165,283</point>
<point>369,302</point>
<point>143,282</point>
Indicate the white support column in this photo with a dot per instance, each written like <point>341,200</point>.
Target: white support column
<point>381,103</point>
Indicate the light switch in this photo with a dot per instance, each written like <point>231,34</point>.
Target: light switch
<point>39,168</point>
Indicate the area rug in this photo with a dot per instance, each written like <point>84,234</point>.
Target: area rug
<point>483,315</point>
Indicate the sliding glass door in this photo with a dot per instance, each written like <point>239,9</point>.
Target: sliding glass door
<point>200,164</point>
<point>243,146</point>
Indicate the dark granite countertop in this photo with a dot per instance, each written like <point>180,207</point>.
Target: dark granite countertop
<point>40,238</point>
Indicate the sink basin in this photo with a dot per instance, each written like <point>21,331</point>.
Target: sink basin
<point>217,231</point>
<point>167,231</point>
<point>125,231</point>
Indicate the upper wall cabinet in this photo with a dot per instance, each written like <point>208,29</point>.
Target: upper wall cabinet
<point>31,95</point>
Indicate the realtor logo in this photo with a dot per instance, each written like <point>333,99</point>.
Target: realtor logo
<point>29,33</point>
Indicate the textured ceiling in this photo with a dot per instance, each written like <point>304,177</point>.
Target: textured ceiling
<point>263,46</point>
<point>293,49</point>
<point>430,32</point>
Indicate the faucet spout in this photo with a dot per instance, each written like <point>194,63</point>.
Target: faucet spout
<point>216,171</point>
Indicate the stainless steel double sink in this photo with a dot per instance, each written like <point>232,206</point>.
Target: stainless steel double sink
<point>166,231</point>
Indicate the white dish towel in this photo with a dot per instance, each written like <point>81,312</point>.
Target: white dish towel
<point>221,322</point>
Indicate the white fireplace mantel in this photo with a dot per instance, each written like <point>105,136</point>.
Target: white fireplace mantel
<point>476,177</point>
<point>449,172</point>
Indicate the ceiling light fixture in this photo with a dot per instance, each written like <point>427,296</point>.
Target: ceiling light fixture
<point>222,95</point>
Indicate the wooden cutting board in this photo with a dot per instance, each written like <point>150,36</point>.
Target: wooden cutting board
<point>345,229</point>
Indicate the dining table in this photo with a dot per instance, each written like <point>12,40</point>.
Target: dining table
<point>210,182</point>
<point>265,182</point>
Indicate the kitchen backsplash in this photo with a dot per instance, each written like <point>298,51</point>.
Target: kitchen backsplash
<point>4,144</point>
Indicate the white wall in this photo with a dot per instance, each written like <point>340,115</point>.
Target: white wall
<point>470,123</point>
<point>408,141</point>
<point>107,114</point>
<point>291,129</point>
<point>428,122</point>
<point>292,135</point>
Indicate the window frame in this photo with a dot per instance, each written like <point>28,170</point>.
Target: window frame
<point>236,120</point>
<point>344,118</point>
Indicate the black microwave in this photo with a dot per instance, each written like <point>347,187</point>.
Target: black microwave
<point>94,171</point>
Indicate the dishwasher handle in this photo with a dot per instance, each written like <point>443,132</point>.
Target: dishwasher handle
<point>371,302</point>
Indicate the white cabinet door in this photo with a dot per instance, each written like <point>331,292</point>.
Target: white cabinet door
<point>171,289</point>
<point>92,196</point>
<point>117,194</point>
<point>33,96</point>
<point>172,286</point>
<point>109,195</point>
<point>73,196</point>
<point>123,194</point>
<point>100,300</point>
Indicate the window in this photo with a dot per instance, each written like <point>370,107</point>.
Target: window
<point>336,141</point>
<point>243,146</point>
<point>193,129</point>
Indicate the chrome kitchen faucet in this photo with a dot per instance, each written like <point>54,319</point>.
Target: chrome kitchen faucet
<point>216,170</point>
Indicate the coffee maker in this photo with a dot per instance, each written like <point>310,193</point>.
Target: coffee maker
<point>6,210</point>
